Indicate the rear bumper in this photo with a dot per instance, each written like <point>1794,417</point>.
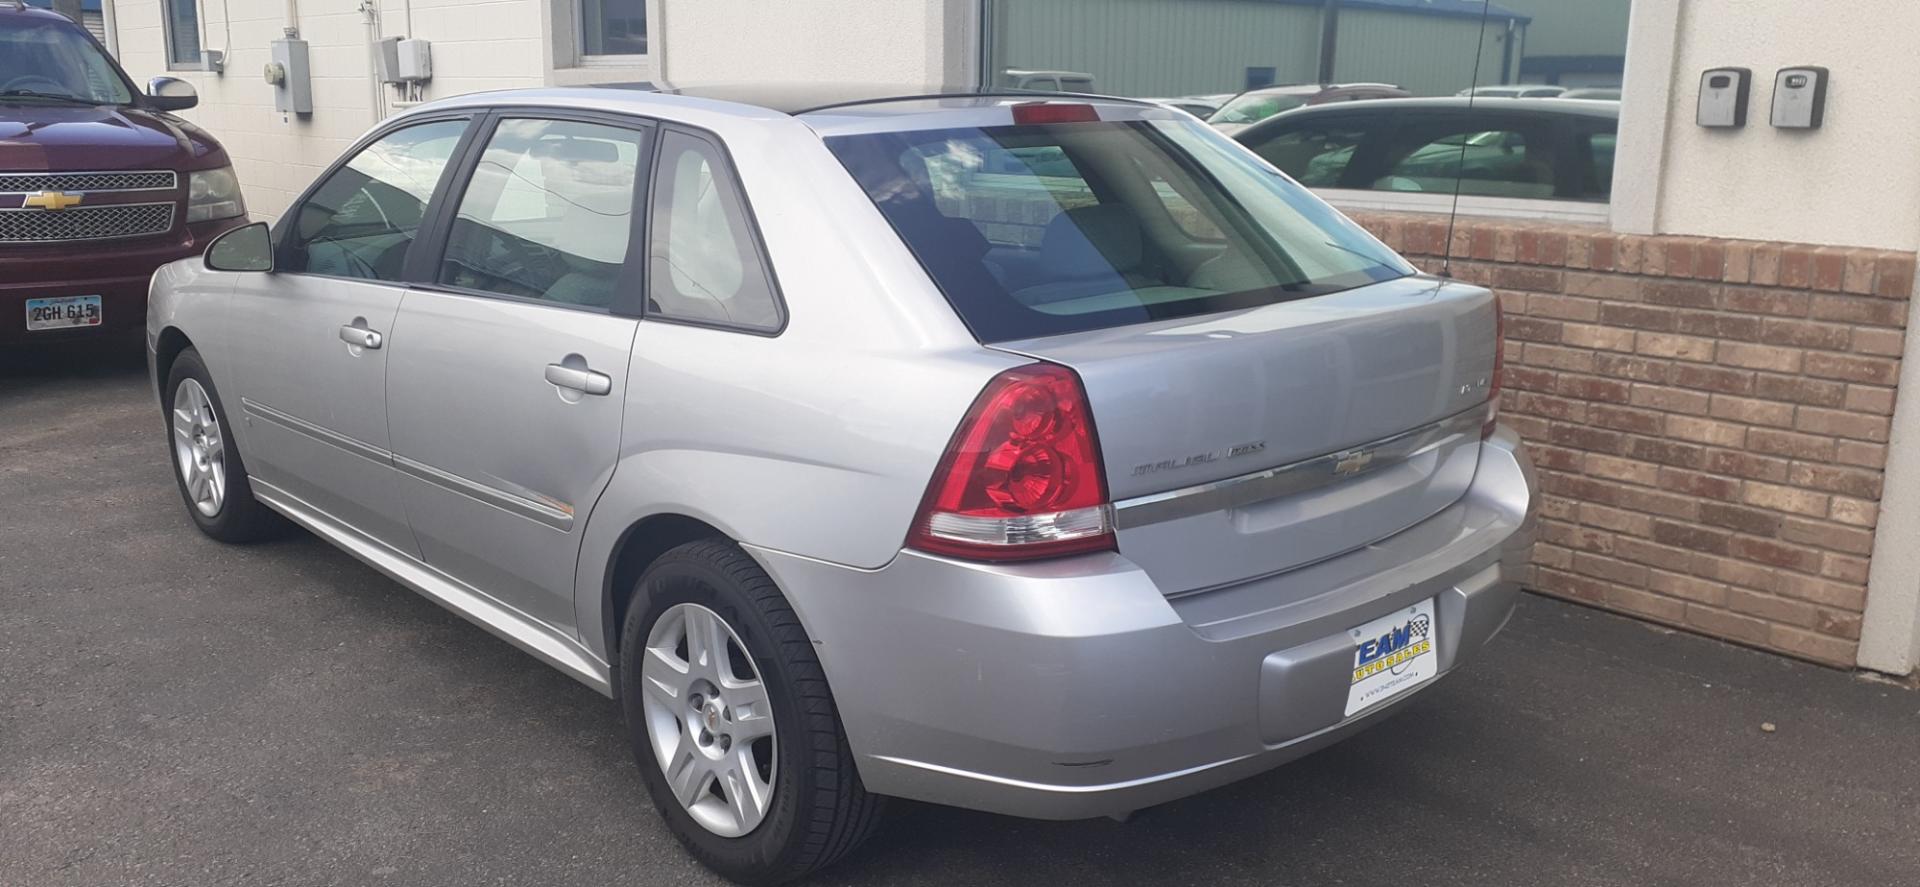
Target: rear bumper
<point>1075,688</point>
<point>117,271</point>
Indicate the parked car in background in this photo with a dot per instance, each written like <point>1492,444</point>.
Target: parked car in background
<point>1047,81</point>
<point>1255,105</point>
<point>855,469</point>
<point>1600,93</point>
<point>1514,91</point>
<point>99,184</point>
<point>1545,149</point>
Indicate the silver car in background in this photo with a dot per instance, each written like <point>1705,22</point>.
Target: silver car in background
<point>1049,456</point>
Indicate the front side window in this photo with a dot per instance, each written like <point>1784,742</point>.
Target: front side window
<point>183,33</point>
<point>44,60</point>
<point>613,27</point>
<point>1317,155</point>
<point>1120,223</point>
<point>548,213</point>
<point>705,264</point>
<point>361,221</point>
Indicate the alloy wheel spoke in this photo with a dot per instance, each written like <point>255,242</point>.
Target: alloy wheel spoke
<point>746,795</point>
<point>688,775</point>
<point>663,678</point>
<point>706,642</point>
<point>183,425</point>
<point>752,716</point>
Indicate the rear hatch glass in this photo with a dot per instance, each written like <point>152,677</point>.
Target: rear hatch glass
<point>1245,428</point>
<point>1034,230</point>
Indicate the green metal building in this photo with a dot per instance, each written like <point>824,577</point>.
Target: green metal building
<point>1188,47</point>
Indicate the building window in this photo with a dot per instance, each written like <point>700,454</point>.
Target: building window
<point>1258,77</point>
<point>183,34</point>
<point>613,27</point>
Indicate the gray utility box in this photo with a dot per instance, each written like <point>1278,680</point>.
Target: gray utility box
<point>290,76</point>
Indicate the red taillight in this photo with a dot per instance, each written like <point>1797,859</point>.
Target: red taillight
<point>1021,478</point>
<point>1499,363</point>
<point>1053,112</point>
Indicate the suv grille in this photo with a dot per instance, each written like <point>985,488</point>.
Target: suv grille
<point>29,182</point>
<point>85,222</point>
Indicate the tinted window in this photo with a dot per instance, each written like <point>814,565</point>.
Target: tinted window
<point>1157,220</point>
<point>548,213</point>
<point>705,264</point>
<point>1492,157</point>
<point>1315,154</point>
<point>361,220</point>
<point>54,57</point>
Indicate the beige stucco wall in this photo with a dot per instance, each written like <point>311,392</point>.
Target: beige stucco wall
<point>1854,182</point>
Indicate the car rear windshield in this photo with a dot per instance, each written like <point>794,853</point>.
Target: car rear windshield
<point>1255,107</point>
<point>47,59</point>
<point>1034,230</point>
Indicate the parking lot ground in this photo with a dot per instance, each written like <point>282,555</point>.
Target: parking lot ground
<point>175,711</point>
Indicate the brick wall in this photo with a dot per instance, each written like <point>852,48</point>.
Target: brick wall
<point>1709,417</point>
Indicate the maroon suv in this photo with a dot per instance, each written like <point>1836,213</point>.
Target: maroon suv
<point>99,184</point>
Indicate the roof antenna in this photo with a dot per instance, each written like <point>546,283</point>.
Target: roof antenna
<point>1460,166</point>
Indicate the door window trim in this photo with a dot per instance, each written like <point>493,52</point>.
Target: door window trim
<point>630,289</point>
<point>283,227</point>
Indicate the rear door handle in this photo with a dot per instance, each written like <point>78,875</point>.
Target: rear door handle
<point>584,381</point>
<point>360,336</point>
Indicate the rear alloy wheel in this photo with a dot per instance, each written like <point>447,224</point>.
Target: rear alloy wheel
<point>206,462</point>
<point>709,720</point>
<point>732,722</point>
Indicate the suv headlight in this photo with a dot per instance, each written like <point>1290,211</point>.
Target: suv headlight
<point>214,194</point>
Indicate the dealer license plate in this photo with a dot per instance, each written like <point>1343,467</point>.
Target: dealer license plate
<point>63,312</point>
<point>1391,655</point>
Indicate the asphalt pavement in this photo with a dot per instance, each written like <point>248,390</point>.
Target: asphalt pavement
<point>174,711</point>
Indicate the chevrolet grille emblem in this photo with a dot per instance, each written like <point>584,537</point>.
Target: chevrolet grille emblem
<point>1352,462</point>
<point>51,200</point>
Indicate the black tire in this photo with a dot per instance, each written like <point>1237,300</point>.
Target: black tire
<point>241,518</point>
<point>819,809</point>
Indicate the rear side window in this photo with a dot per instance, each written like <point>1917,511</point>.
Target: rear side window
<point>1595,147</point>
<point>1035,230</point>
<point>705,263</point>
<point>361,221</point>
<point>547,213</point>
<point>1317,155</point>
<point>1492,157</point>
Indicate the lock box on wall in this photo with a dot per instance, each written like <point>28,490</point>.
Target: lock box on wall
<point>1800,97</point>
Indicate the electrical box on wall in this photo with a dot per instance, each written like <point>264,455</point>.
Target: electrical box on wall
<point>416,60</point>
<point>1723,97</point>
<point>386,60</point>
<point>291,78</point>
<point>1800,97</point>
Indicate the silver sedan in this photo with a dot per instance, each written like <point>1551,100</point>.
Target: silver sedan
<point>1048,456</point>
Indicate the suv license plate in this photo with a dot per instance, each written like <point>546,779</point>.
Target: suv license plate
<point>1391,655</point>
<point>63,312</point>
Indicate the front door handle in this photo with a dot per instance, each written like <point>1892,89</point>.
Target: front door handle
<point>360,336</point>
<point>584,381</point>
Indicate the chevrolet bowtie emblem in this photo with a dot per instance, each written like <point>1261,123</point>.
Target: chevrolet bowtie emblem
<point>51,200</point>
<point>1352,462</point>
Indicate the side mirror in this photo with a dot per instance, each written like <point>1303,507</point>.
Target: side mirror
<point>171,94</point>
<point>246,248</point>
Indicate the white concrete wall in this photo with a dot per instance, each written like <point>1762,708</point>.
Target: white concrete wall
<point>854,41</point>
<point>478,45</point>
<point>1854,182</point>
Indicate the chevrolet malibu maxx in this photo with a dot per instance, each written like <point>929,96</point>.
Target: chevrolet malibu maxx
<point>1043,455</point>
<point>99,184</point>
